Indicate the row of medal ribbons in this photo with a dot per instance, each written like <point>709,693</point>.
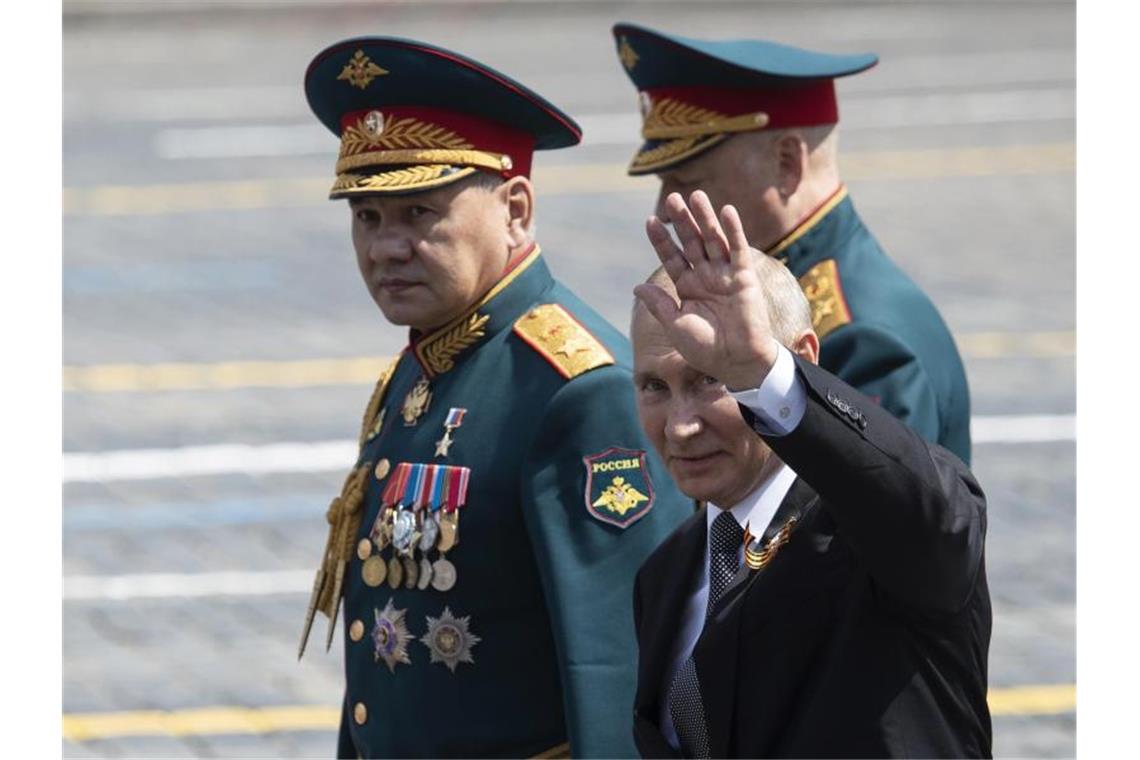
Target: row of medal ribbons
<point>419,513</point>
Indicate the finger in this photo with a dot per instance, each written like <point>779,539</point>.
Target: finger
<point>660,304</point>
<point>715,243</point>
<point>692,244</point>
<point>738,248</point>
<point>667,250</point>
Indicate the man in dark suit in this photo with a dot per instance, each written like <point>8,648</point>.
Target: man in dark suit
<point>831,599</point>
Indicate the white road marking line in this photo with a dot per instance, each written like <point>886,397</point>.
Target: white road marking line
<point>1024,428</point>
<point>222,459</point>
<point>325,456</point>
<point>166,585</point>
<point>880,112</point>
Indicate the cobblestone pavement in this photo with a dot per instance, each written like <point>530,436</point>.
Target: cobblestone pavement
<point>960,152</point>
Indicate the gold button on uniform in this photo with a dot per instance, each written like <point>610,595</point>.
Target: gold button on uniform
<point>356,630</point>
<point>382,468</point>
<point>360,713</point>
<point>364,549</point>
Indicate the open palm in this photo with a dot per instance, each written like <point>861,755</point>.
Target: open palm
<point>720,325</point>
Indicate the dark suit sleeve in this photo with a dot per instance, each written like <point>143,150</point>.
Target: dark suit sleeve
<point>882,367</point>
<point>911,511</point>
<point>588,565</point>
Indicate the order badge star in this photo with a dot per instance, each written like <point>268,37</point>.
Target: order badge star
<point>390,636</point>
<point>450,639</point>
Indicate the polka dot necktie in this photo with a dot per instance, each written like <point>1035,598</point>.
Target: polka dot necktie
<point>685,706</point>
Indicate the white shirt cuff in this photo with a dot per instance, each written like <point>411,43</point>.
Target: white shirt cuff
<point>780,400</point>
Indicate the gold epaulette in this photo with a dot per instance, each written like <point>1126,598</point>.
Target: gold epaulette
<point>562,340</point>
<point>825,294</point>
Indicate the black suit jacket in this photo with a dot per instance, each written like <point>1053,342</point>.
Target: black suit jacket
<point>867,633</point>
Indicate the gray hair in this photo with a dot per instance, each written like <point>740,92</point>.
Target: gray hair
<point>788,310</point>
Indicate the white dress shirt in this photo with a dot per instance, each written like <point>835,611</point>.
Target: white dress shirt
<point>780,402</point>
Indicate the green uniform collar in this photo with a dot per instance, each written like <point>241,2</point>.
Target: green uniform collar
<point>441,350</point>
<point>819,236</point>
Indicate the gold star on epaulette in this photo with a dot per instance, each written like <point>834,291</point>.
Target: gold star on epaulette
<point>562,340</point>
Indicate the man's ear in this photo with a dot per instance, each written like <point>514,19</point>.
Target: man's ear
<point>518,197</point>
<point>807,346</point>
<point>791,162</point>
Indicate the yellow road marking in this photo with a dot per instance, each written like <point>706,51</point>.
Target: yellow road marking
<point>363,370</point>
<point>1055,699</point>
<point>119,200</point>
<point>1000,345</point>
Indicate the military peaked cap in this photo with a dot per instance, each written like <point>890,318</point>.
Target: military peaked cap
<point>411,116</point>
<point>695,93</point>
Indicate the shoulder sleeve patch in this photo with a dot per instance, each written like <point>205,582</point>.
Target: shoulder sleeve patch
<point>562,340</point>
<point>825,294</point>
<point>618,490</point>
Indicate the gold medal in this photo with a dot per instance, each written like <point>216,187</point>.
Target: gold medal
<point>425,574</point>
<point>374,571</point>
<point>364,549</point>
<point>448,530</point>
<point>411,572</point>
<point>395,573</point>
<point>416,402</point>
<point>443,575</point>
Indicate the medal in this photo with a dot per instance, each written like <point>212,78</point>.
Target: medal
<point>390,636</point>
<point>411,572</point>
<point>430,532</point>
<point>425,574</point>
<point>395,573</point>
<point>373,571</point>
<point>448,531</point>
<point>364,549</point>
<point>416,402</point>
<point>442,575</point>
<point>403,531</point>
<point>450,639</point>
<point>453,421</point>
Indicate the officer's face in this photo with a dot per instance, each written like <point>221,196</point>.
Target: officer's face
<point>742,171</point>
<point>427,257</point>
<point>694,424</point>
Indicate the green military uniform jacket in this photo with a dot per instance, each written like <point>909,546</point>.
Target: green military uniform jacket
<point>878,331</point>
<point>533,646</point>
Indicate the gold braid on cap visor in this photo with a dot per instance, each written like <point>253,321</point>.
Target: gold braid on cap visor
<point>671,119</point>
<point>409,141</point>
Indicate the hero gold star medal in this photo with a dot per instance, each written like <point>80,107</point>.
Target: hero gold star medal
<point>416,402</point>
<point>390,636</point>
<point>443,573</point>
<point>450,639</point>
<point>453,421</point>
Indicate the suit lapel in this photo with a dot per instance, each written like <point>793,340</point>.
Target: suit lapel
<point>797,501</point>
<point>716,650</point>
<point>672,589</point>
